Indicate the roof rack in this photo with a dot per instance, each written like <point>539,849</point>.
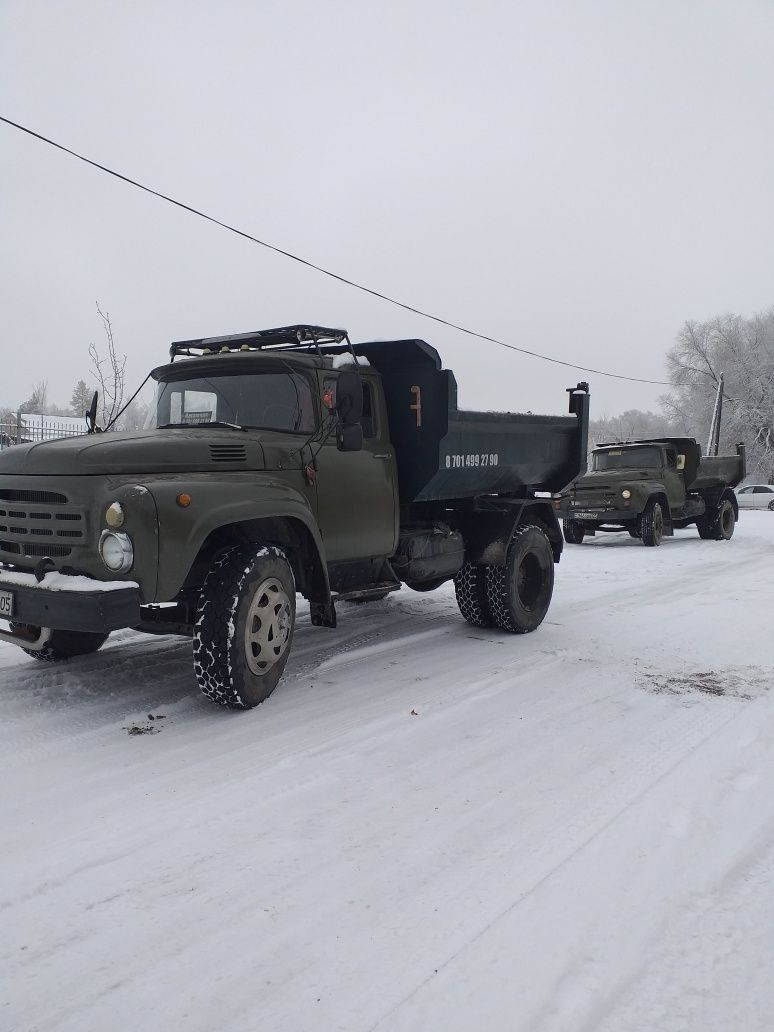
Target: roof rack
<point>283,338</point>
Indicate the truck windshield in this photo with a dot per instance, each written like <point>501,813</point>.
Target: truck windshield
<point>628,458</point>
<point>268,401</point>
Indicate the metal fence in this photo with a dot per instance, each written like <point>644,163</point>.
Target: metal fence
<point>22,429</point>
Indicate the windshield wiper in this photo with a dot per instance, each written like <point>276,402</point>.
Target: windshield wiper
<point>217,423</point>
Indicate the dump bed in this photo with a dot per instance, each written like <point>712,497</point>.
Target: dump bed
<point>719,471</point>
<point>444,453</point>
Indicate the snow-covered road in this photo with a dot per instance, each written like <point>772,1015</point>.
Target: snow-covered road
<point>427,827</point>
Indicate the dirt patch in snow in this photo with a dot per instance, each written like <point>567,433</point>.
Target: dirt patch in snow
<point>749,685</point>
<point>146,729</point>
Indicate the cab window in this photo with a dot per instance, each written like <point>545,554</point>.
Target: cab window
<point>368,421</point>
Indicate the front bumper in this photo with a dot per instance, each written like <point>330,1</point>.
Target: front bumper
<point>99,610</point>
<point>599,515</point>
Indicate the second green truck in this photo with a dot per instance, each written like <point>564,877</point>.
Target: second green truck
<point>651,488</point>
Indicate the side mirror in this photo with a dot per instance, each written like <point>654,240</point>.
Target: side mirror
<point>91,415</point>
<point>349,398</point>
<point>680,465</point>
<point>350,438</point>
<point>349,409</point>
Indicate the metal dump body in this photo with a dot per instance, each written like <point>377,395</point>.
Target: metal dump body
<point>444,453</point>
<point>718,471</point>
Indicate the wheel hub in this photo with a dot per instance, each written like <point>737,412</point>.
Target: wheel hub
<point>268,626</point>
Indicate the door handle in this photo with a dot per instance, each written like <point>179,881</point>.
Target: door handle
<point>382,455</point>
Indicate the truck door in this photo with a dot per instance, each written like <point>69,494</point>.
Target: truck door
<point>357,491</point>
<point>674,482</point>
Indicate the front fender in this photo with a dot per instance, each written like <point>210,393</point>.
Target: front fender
<point>642,491</point>
<point>218,503</point>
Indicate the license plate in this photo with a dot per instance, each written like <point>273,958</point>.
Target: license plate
<point>585,515</point>
<point>6,604</point>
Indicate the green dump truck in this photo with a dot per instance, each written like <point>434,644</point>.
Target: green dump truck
<point>651,488</point>
<point>282,462</point>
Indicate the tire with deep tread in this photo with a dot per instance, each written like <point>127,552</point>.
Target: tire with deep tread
<point>470,591</point>
<point>718,525</point>
<point>725,522</point>
<point>64,645</point>
<point>220,653</point>
<point>519,593</point>
<point>573,532</point>
<point>704,525</point>
<point>652,524</point>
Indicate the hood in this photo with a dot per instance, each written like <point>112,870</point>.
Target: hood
<point>609,479</point>
<point>146,451</point>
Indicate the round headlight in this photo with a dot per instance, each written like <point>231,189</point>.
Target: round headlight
<point>117,551</point>
<point>626,493</point>
<point>114,517</point>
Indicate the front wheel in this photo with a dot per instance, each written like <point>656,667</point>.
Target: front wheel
<point>63,645</point>
<point>771,507</point>
<point>652,525</point>
<point>519,593</point>
<point>573,532</point>
<point>244,626</point>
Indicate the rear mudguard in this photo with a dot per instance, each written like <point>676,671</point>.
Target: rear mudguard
<point>489,529</point>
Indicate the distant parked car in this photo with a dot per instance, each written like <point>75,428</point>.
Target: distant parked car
<point>756,496</point>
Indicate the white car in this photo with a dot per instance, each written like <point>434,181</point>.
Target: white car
<point>756,496</point>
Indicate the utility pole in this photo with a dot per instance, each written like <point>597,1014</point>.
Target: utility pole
<point>713,441</point>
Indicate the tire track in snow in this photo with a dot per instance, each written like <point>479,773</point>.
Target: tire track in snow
<point>594,821</point>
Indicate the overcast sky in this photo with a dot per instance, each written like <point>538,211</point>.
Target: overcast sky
<point>575,177</point>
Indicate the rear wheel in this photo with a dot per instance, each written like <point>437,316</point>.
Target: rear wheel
<point>65,644</point>
<point>519,593</point>
<point>726,522</point>
<point>718,526</point>
<point>470,590</point>
<point>244,626</point>
<point>705,527</point>
<point>652,524</point>
<point>573,532</point>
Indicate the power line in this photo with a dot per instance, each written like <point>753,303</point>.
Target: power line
<point>321,269</point>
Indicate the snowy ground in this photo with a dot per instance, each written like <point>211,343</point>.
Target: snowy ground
<point>574,832</point>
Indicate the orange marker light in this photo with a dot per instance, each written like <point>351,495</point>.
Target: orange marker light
<point>183,500</point>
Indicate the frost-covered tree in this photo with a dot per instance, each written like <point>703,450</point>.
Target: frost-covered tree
<point>629,426</point>
<point>81,398</point>
<point>109,371</point>
<point>743,351</point>
<point>38,400</point>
